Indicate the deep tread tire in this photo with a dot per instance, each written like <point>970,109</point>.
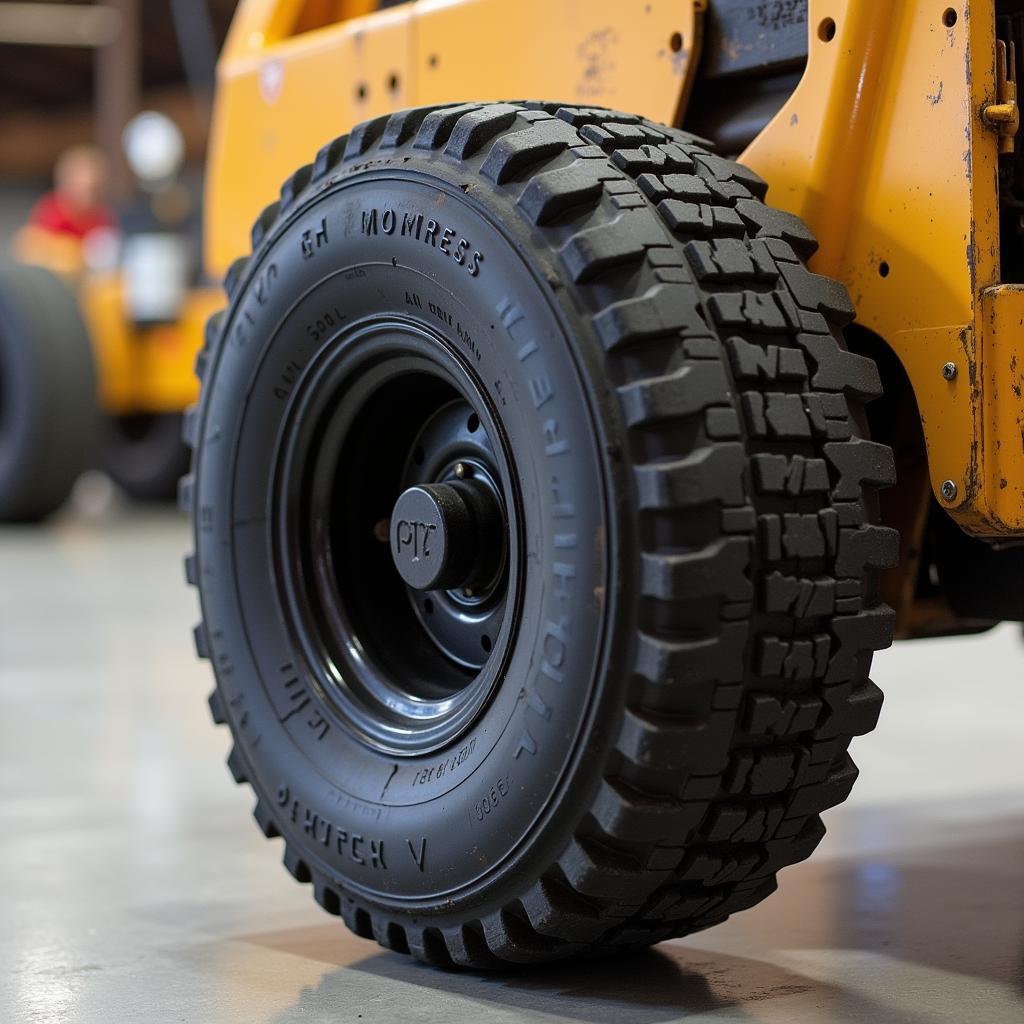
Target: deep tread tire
<point>48,386</point>
<point>749,546</point>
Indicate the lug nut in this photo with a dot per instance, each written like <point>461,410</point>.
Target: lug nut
<point>949,372</point>
<point>948,490</point>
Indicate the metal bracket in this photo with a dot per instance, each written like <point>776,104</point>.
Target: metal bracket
<point>1004,114</point>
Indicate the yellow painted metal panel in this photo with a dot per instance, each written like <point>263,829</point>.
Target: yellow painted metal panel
<point>278,103</point>
<point>165,378</point>
<point>102,306</point>
<point>280,96</point>
<point>149,369</point>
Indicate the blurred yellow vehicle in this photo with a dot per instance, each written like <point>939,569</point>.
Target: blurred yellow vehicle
<point>109,382</point>
<point>559,465</point>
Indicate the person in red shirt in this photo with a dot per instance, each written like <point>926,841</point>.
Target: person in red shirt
<point>75,207</point>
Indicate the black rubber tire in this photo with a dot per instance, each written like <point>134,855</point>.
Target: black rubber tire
<point>724,605</point>
<point>145,455</point>
<point>48,409</point>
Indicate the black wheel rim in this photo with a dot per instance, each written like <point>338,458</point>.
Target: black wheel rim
<point>389,407</point>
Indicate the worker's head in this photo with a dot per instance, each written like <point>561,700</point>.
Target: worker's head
<point>80,177</point>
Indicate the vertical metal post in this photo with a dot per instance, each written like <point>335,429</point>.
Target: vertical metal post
<point>117,92</point>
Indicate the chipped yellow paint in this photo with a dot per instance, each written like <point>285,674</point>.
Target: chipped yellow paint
<point>282,94</point>
<point>1002,387</point>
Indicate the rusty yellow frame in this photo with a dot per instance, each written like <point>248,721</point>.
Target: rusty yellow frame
<point>885,149</point>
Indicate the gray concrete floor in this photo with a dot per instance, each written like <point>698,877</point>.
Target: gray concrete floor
<point>134,886</point>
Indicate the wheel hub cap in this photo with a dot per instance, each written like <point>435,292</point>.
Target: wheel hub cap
<point>442,535</point>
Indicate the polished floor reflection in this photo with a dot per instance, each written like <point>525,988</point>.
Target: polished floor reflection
<point>134,887</point>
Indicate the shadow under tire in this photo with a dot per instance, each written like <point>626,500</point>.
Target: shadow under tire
<point>48,413</point>
<point>574,356</point>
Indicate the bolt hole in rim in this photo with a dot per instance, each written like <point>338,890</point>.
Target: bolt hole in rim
<point>827,30</point>
<point>387,408</point>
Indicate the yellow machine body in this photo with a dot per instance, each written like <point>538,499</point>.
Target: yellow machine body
<point>150,368</point>
<point>888,148</point>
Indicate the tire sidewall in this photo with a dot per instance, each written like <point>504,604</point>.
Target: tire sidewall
<point>21,395</point>
<point>432,831</point>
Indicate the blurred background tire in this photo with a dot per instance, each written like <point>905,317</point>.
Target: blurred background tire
<point>48,414</point>
<point>144,455</point>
